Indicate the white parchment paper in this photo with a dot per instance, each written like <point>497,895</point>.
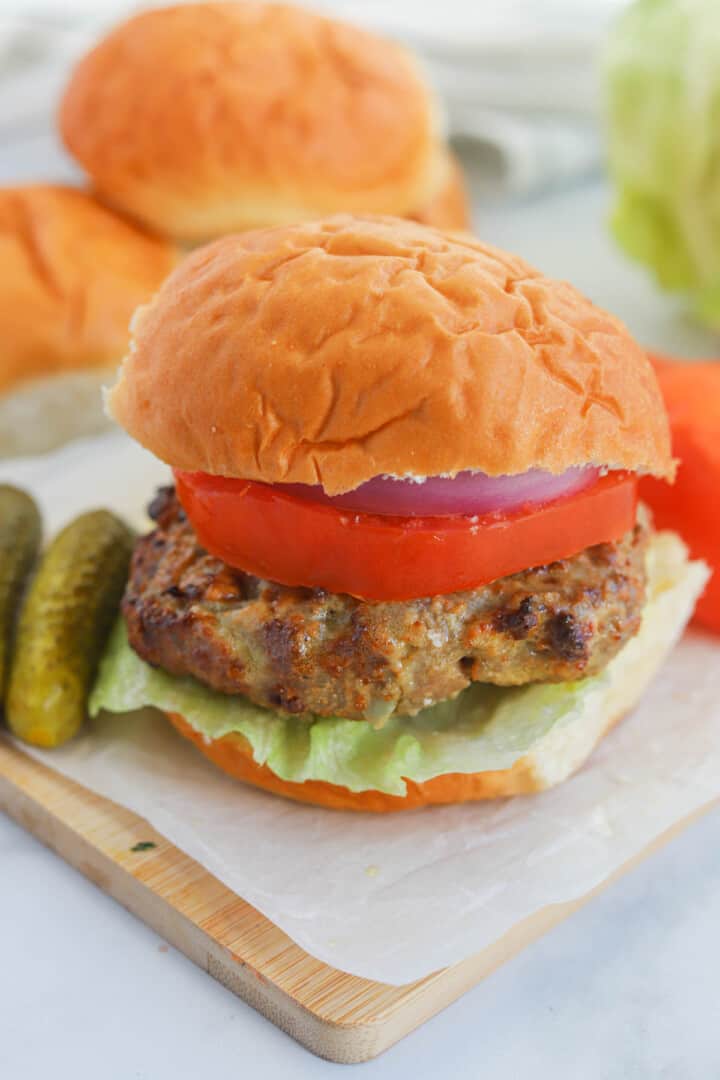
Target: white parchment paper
<point>392,897</point>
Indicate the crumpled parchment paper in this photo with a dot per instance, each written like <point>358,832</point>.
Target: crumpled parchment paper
<point>393,897</point>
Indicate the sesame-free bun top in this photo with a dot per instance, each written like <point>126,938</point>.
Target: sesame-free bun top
<point>71,275</point>
<point>203,119</point>
<point>336,351</point>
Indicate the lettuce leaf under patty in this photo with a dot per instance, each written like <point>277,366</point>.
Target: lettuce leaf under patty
<point>484,728</point>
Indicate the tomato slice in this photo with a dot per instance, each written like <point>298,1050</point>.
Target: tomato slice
<point>277,536</point>
<point>691,390</point>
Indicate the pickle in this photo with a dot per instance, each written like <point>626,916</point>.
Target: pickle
<point>20,535</point>
<point>63,625</point>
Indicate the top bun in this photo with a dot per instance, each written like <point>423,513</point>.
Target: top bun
<point>73,272</point>
<point>340,350</point>
<point>202,119</point>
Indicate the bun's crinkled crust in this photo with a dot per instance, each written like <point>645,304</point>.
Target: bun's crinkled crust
<point>336,351</point>
<point>202,119</point>
<point>73,272</point>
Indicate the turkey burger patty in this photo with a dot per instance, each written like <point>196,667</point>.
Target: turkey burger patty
<point>303,650</point>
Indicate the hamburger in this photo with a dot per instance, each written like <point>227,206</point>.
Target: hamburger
<point>73,272</point>
<point>203,119</point>
<point>402,561</point>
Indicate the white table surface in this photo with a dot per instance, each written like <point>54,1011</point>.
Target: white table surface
<point>626,988</point>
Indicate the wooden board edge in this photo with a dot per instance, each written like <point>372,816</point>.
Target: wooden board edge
<point>436,992</point>
<point>337,1042</point>
<point>341,1042</point>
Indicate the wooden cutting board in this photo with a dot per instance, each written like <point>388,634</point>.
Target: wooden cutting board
<point>335,1015</point>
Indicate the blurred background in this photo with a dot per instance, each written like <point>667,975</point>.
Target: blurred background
<point>527,89</point>
<point>518,78</point>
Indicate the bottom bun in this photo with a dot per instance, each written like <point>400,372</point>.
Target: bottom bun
<point>44,413</point>
<point>233,755</point>
<point>673,587</point>
<point>449,208</point>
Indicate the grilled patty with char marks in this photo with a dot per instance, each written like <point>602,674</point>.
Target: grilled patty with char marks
<point>306,651</point>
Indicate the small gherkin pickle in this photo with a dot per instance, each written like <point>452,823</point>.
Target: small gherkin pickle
<point>20,535</point>
<point>63,625</point>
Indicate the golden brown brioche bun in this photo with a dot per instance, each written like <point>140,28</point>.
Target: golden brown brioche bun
<point>203,119</point>
<point>71,275</point>
<point>336,351</point>
<point>450,207</point>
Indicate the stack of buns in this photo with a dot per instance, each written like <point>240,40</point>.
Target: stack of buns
<point>72,274</point>
<point>205,119</point>
<point>191,122</point>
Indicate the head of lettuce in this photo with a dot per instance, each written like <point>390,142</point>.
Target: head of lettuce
<point>662,83</point>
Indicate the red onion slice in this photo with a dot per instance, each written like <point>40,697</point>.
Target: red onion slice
<point>438,496</point>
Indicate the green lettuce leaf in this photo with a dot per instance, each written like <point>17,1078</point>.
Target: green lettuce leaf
<point>662,80</point>
<point>484,728</point>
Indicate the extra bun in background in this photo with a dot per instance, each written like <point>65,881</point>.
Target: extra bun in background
<point>73,272</point>
<point>336,351</point>
<point>449,208</point>
<point>203,119</point>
